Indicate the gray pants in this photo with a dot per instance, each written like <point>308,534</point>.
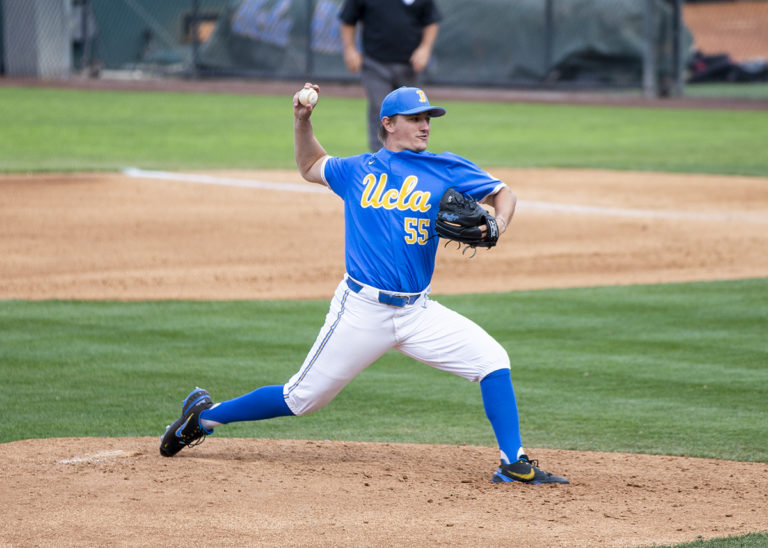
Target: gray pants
<point>379,79</point>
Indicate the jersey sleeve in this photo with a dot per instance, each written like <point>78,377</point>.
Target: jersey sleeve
<point>351,12</point>
<point>431,14</point>
<point>469,179</point>
<point>340,174</point>
<point>331,170</point>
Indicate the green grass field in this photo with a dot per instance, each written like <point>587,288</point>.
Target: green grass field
<point>66,130</point>
<point>669,369</point>
<point>679,369</point>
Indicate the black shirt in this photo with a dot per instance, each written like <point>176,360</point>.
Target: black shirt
<point>392,29</point>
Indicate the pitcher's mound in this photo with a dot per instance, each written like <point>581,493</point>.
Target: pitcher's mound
<point>248,492</point>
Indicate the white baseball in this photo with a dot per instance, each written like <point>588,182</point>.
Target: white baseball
<point>308,96</point>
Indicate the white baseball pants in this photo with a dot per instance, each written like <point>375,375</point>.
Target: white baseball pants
<point>358,330</point>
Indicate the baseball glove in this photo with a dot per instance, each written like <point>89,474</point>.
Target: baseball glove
<point>461,218</point>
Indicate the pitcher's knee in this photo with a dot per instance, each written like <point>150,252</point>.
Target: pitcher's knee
<point>497,359</point>
<point>305,403</point>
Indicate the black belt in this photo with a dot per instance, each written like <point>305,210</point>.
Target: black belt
<point>386,298</point>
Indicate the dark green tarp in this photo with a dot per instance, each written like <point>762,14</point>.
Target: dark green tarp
<point>480,42</point>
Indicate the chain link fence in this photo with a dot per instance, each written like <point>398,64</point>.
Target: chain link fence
<point>36,38</point>
<point>653,45</point>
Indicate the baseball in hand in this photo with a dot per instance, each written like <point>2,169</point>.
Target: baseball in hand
<point>308,96</point>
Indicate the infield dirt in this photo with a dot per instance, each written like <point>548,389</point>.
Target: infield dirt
<point>109,236</point>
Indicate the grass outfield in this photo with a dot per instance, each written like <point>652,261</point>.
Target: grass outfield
<point>674,369</point>
<point>71,130</point>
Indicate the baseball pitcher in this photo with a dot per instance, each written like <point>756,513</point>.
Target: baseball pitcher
<point>398,202</point>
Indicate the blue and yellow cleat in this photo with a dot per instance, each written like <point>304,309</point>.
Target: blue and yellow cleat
<point>526,471</point>
<point>187,431</point>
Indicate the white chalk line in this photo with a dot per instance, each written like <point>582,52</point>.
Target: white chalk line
<point>222,181</point>
<point>96,457</point>
<point>522,204</point>
<point>646,213</point>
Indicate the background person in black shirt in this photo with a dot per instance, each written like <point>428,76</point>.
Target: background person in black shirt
<point>398,36</point>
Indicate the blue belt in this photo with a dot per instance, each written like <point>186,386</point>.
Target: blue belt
<point>386,298</point>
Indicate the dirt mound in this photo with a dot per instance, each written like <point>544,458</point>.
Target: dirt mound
<point>114,492</point>
<point>110,236</point>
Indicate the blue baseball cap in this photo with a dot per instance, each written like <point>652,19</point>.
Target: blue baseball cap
<point>406,101</point>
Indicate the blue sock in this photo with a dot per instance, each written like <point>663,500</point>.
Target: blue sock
<point>266,402</point>
<point>501,410</point>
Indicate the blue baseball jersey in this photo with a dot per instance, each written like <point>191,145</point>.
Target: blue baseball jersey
<point>391,201</point>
